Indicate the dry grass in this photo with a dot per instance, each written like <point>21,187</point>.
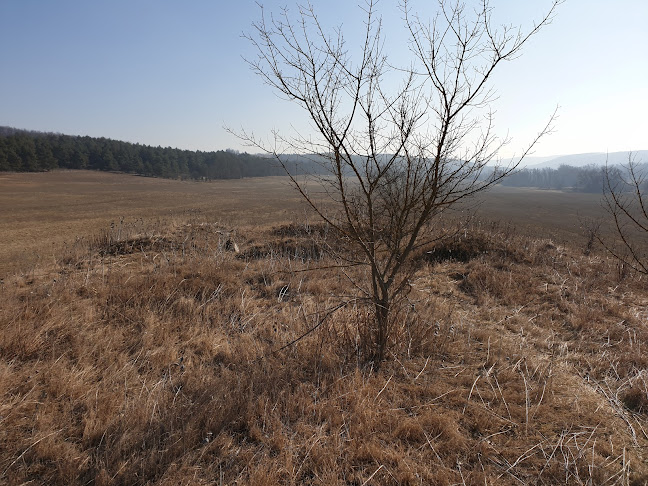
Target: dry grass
<point>44,212</point>
<point>48,211</point>
<point>150,354</point>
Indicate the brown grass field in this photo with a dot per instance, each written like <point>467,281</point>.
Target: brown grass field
<point>44,212</point>
<point>135,349</point>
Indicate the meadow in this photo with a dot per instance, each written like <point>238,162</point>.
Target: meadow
<point>137,348</point>
<point>49,210</point>
<point>45,212</point>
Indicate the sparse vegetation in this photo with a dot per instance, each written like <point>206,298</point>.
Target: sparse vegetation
<point>624,198</point>
<point>152,355</point>
<point>399,145</point>
<point>400,318</point>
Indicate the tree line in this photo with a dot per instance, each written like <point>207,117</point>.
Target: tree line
<point>30,151</point>
<point>590,178</point>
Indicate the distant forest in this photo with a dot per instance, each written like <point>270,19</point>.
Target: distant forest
<point>29,151</point>
<point>589,178</point>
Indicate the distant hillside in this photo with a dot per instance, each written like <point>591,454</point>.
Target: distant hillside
<point>29,151</point>
<point>581,160</point>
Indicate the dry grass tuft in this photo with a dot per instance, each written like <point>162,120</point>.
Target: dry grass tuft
<point>152,355</point>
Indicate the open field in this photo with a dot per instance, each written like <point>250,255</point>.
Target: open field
<point>148,353</point>
<point>541,213</point>
<point>44,211</point>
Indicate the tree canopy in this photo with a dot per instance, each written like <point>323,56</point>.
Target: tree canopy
<point>29,151</point>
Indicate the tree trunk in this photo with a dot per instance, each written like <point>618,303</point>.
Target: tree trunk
<point>382,307</point>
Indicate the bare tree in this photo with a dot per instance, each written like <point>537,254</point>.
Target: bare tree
<point>625,200</point>
<point>397,154</point>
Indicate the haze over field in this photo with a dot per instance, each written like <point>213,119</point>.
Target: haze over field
<point>579,160</point>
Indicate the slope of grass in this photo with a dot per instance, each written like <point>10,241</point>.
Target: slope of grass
<point>153,355</point>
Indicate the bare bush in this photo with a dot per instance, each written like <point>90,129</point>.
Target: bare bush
<point>624,198</point>
<point>394,159</point>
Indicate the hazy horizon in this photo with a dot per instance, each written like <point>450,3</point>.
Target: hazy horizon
<point>160,73</point>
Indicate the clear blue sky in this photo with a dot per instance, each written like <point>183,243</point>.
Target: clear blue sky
<point>171,73</point>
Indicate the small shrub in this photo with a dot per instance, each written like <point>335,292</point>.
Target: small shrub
<point>468,246</point>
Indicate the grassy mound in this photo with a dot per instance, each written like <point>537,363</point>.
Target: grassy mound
<point>159,358</point>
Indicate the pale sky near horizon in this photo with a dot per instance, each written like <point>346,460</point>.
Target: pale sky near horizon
<point>162,72</point>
